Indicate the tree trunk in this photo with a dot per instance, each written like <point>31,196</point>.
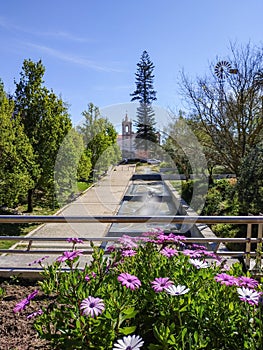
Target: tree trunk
<point>29,201</point>
<point>210,176</point>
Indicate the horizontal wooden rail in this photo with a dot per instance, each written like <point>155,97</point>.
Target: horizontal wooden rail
<point>14,219</point>
<point>54,239</point>
<point>89,252</point>
<point>245,220</point>
<point>106,239</point>
<point>199,240</point>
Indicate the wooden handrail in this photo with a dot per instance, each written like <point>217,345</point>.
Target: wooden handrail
<point>131,219</point>
<point>247,220</point>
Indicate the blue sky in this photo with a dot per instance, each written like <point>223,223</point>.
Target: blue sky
<point>90,48</point>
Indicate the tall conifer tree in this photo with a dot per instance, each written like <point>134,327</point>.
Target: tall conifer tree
<point>145,94</point>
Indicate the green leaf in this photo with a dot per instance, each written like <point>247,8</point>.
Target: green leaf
<point>108,315</point>
<point>128,313</point>
<point>183,333</point>
<point>196,336</point>
<point>172,340</point>
<point>155,347</point>
<point>231,306</point>
<point>127,330</point>
<point>78,324</point>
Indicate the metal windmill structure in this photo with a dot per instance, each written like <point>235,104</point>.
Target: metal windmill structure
<point>223,69</point>
<point>258,85</point>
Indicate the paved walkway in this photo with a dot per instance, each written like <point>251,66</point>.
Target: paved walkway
<point>103,198</point>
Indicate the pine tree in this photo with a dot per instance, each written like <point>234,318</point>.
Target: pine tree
<point>145,94</point>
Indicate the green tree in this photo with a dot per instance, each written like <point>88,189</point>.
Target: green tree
<point>100,138</point>
<point>17,161</point>
<point>250,182</point>
<point>145,94</point>
<point>84,166</point>
<point>184,147</point>
<point>54,126</point>
<point>176,132</point>
<point>72,162</point>
<point>46,122</point>
<point>211,153</point>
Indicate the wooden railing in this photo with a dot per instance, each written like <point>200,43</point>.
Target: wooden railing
<point>214,241</point>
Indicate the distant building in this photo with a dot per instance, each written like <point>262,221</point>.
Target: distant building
<point>126,141</point>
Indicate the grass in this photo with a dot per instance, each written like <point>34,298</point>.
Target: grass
<point>41,207</point>
<point>83,186</point>
<point>6,244</point>
<point>142,167</point>
<point>14,230</point>
<point>177,184</point>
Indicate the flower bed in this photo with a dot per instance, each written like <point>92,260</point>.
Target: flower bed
<point>16,331</point>
<point>152,292</point>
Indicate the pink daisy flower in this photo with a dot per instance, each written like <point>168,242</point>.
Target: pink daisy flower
<point>129,281</point>
<point>159,284</point>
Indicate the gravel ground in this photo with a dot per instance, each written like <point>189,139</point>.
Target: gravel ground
<point>16,331</point>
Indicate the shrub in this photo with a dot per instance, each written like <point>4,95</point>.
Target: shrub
<point>152,292</point>
<point>221,198</point>
<point>187,190</point>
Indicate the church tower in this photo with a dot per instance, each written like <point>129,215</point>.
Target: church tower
<point>128,150</point>
<point>126,127</point>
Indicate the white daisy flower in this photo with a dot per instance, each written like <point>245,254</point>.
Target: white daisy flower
<point>249,295</point>
<point>131,342</point>
<point>177,290</point>
<point>198,263</point>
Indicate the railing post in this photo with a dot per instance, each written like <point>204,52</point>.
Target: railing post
<point>29,245</point>
<point>248,245</point>
<point>259,247</point>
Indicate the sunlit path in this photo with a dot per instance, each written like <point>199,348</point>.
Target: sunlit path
<point>103,198</point>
